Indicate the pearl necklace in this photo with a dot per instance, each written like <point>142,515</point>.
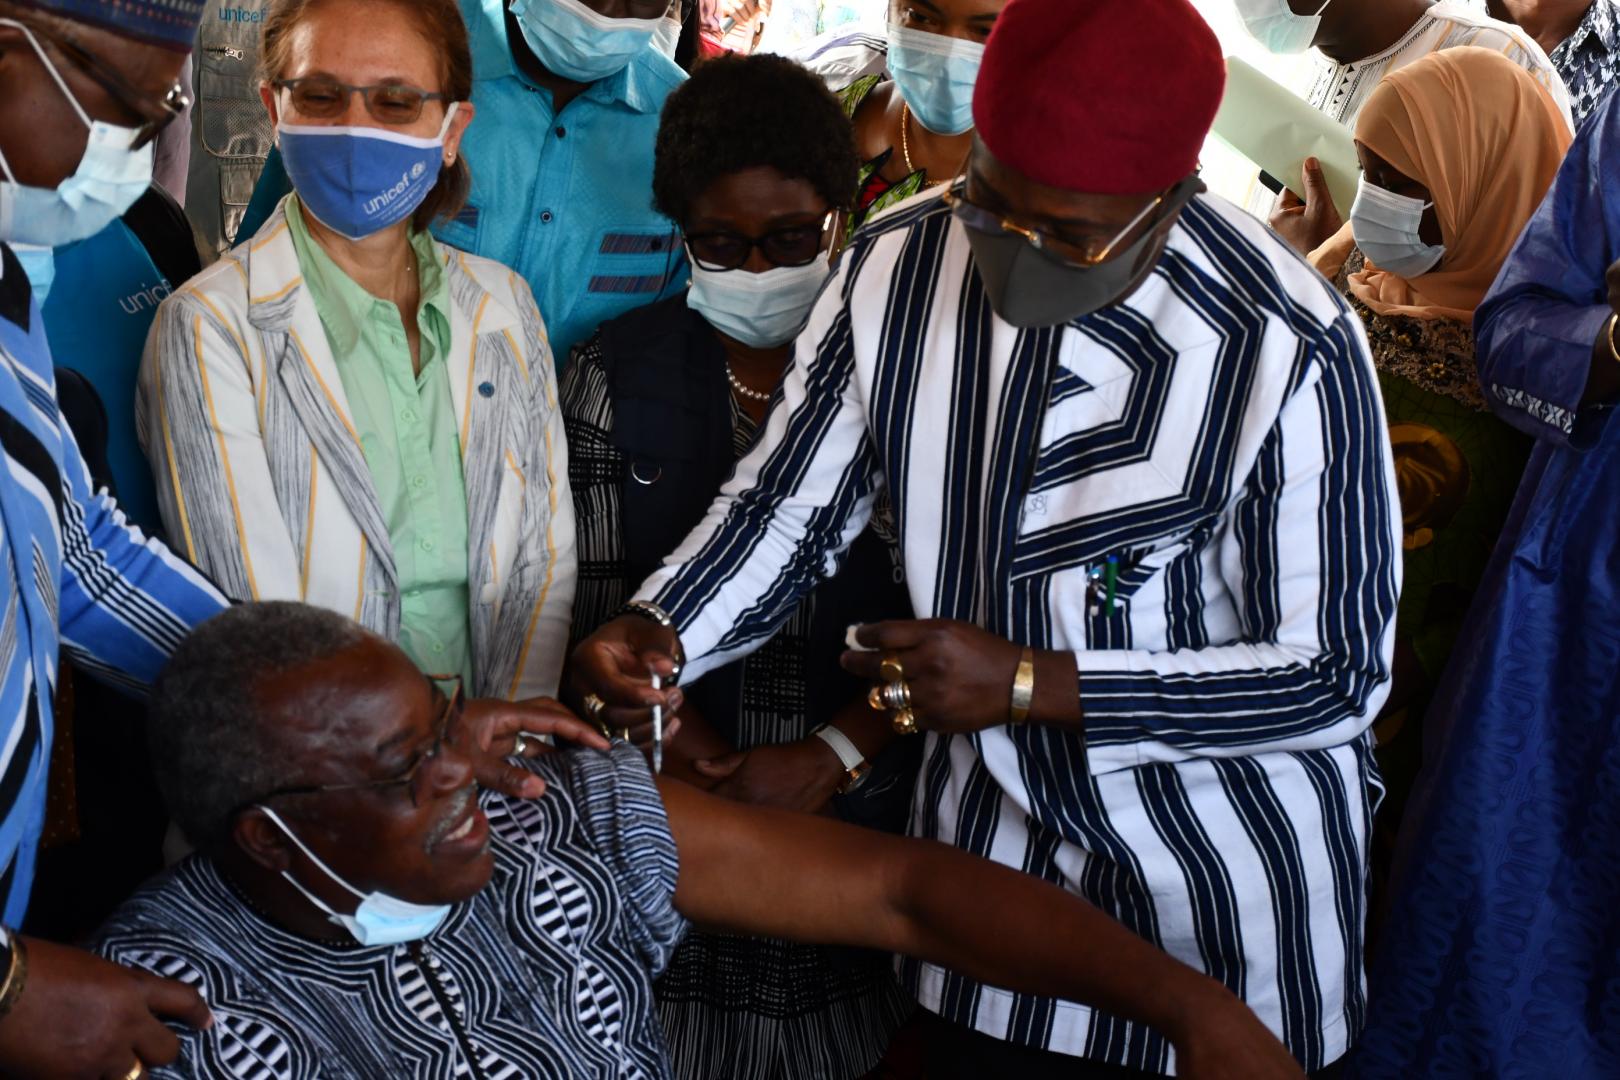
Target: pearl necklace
<point>736,384</point>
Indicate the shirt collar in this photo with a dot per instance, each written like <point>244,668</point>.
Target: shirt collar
<point>1599,22</point>
<point>642,86</point>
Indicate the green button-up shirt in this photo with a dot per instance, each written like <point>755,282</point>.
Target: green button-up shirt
<point>407,427</point>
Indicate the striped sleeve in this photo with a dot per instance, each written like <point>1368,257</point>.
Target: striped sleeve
<point>1313,555</point>
<point>126,601</point>
<point>789,512</point>
<point>549,553</point>
<point>199,427</point>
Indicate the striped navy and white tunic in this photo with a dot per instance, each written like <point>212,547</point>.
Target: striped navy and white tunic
<point>1220,435</point>
<point>545,973</point>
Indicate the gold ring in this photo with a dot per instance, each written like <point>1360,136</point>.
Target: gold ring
<point>874,698</point>
<point>136,1072</point>
<point>624,733</point>
<point>897,696</point>
<point>905,722</point>
<point>593,706</point>
<point>891,669</point>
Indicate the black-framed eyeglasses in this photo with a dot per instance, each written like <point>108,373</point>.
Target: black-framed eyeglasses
<point>157,114</point>
<point>1077,252</point>
<point>796,245</point>
<point>323,98</point>
<point>415,775</point>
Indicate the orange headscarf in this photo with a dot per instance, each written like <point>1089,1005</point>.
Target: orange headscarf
<point>1486,140</point>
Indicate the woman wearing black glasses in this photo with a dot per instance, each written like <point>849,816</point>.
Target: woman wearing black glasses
<point>756,162</point>
<point>345,411</point>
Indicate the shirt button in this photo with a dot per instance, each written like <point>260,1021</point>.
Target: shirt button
<point>418,482</point>
<point>438,646</point>
<point>409,416</point>
<point>545,216</point>
<point>562,132</point>
<point>425,544</point>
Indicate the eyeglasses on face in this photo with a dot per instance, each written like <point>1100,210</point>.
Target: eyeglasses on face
<point>797,245</point>
<point>414,778</point>
<point>156,115</point>
<point>321,98</point>
<point>1083,253</point>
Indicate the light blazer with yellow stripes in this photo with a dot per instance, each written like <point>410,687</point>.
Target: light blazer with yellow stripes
<point>263,484</point>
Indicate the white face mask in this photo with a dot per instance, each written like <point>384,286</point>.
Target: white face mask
<point>1387,228</point>
<point>380,919</point>
<point>1274,24</point>
<point>761,310</point>
<point>667,38</point>
<point>109,178</point>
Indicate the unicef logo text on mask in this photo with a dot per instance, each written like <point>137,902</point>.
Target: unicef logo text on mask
<point>360,180</point>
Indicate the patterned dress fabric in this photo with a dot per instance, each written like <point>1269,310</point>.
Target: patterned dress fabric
<point>733,1008</point>
<point>1589,59</point>
<point>875,194</point>
<point>1501,955</point>
<point>1220,437</point>
<point>546,973</point>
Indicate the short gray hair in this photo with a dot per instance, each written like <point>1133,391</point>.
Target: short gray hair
<point>213,749</point>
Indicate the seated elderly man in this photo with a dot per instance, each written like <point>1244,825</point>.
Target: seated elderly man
<point>357,908</point>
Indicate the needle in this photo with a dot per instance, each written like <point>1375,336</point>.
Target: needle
<point>658,728</point>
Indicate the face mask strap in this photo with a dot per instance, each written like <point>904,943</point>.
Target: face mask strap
<point>61,83</point>
<point>312,857</point>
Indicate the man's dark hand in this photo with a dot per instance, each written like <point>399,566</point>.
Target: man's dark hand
<point>1217,1037</point>
<point>491,728</point>
<point>960,676</point>
<point>801,776</point>
<point>1308,225</point>
<point>616,664</point>
<point>81,1016</point>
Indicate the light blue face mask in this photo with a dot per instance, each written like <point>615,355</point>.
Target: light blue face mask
<point>573,41</point>
<point>1273,24</point>
<point>39,263</point>
<point>935,75</point>
<point>109,178</point>
<point>762,310</point>
<point>380,919</point>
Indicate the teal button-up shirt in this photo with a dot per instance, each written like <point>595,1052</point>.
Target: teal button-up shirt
<point>406,421</point>
<point>566,197</point>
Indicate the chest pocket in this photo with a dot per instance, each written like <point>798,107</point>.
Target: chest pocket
<point>635,261</point>
<point>230,123</point>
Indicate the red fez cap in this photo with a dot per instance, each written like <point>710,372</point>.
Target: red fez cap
<point>1108,97</point>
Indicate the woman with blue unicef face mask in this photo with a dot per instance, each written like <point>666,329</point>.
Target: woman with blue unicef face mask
<point>345,411</point>
<point>1457,151</point>
<point>914,119</point>
<point>754,161</point>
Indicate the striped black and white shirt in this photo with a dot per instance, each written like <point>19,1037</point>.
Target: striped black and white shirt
<point>1221,436</point>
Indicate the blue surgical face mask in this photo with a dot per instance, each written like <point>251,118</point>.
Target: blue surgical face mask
<point>1273,24</point>
<point>935,75</point>
<point>109,178</point>
<point>380,919</point>
<point>360,180</point>
<point>1388,229</point>
<point>761,310</point>
<point>573,41</point>
<point>39,263</point>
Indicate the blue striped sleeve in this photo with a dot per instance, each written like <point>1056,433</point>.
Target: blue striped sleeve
<point>789,512</point>
<point>126,600</point>
<point>1312,557</point>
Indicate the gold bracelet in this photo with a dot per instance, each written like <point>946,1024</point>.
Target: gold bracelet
<point>1614,350</point>
<point>1023,688</point>
<point>16,976</point>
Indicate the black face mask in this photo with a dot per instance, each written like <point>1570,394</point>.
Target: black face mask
<point>1028,287</point>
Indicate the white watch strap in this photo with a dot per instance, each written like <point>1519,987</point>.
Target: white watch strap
<point>846,750</point>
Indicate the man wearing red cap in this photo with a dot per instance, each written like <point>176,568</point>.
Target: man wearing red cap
<point>1138,460</point>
